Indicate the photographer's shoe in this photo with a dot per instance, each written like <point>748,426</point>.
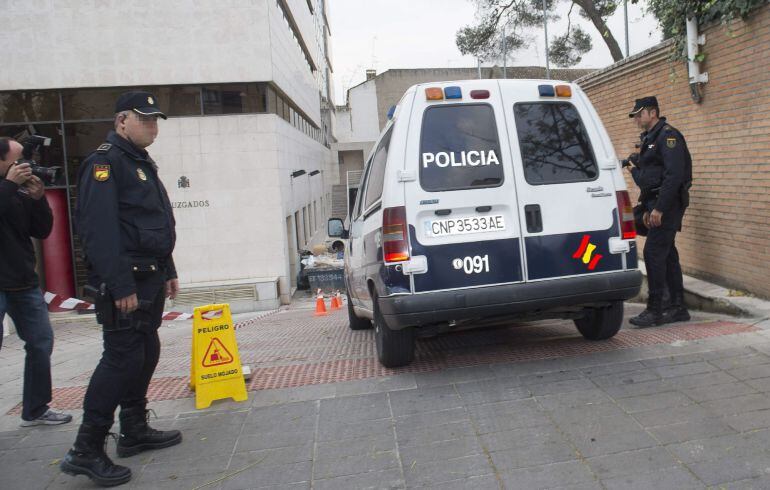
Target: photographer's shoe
<point>50,417</point>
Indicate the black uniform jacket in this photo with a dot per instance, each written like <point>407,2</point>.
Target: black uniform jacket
<point>664,172</point>
<point>21,217</point>
<point>123,215</point>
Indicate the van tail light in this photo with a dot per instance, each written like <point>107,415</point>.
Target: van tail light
<point>626,212</point>
<point>395,246</point>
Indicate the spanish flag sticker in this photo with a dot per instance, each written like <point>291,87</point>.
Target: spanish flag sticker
<point>101,172</point>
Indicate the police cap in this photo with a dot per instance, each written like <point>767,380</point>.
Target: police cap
<point>143,103</point>
<point>640,104</point>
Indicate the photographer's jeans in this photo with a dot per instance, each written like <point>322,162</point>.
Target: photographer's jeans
<point>29,313</point>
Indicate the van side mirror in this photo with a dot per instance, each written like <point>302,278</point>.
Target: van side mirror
<point>336,228</point>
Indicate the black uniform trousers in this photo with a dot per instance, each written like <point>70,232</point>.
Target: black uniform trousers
<point>662,259</point>
<point>131,353</point>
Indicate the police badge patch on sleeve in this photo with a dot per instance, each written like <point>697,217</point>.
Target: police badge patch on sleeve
<point>671,142</point>
<point>101,172</point>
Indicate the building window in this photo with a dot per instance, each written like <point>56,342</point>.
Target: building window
<point>235,99</point>
<point>16,107</point>
<point>297,229</point>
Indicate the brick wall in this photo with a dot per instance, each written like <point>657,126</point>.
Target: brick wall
<point>726,232</point>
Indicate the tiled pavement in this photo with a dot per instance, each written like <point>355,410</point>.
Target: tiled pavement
<point>674,409</point>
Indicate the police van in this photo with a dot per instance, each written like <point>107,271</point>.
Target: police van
<point>489,198</point>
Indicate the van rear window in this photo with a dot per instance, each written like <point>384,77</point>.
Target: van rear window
<point>555,148</point>
<point>459,148</point>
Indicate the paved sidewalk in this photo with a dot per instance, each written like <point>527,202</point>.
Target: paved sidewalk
<point>525,406</point>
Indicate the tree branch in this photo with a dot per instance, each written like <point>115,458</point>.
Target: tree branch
<point>590,10</point>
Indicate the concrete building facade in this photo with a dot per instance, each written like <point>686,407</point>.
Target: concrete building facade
<point>245,153</point>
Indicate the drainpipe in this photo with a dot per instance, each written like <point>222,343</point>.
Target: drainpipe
<point>697,79</point>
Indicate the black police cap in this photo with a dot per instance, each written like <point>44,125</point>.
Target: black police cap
<point>640,104</point>
<point>140,102</point>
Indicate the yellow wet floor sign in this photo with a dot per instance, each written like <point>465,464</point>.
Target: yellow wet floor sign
<point>215,369</point>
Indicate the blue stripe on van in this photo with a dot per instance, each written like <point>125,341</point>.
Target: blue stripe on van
<point>504,259</point>
<point>553,255</point>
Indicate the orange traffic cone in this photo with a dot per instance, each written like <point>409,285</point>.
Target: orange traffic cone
<point>320,306</point>
<point>339,299</point>
<point>335,303</point>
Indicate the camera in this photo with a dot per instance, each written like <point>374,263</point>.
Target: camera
<point>633,158</point>
<point>49,175</point>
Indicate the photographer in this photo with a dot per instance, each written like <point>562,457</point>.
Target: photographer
<point>24,214</point>
<point>663,172</point>
<point>126,225</point>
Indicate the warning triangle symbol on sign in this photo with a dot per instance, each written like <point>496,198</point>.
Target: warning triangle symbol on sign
<point>216,354</point>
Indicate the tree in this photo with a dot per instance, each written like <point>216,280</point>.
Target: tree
<point>516,17</point>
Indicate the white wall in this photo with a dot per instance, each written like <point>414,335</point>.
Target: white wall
<point>241,165</point>
<point>343,127</point>
<point>363,112</point>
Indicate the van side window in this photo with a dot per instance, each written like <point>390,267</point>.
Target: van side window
<point>376,178</point>
<point>555,148</point>
<point>459,148</point>
<point>361,189</point>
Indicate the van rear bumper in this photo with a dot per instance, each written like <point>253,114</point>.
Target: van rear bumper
<point>418,309</point>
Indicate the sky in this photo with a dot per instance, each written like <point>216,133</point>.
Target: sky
<point>389,34</point>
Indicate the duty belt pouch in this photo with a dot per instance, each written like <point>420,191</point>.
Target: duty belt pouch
<point>142,319</point>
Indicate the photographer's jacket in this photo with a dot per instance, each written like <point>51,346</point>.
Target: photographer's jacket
<point>664,170</point>
<point>123,215</point>
<point>21,217</point>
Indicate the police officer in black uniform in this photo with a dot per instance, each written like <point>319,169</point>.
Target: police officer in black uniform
<point>126,225</point>
<point>663,172</point>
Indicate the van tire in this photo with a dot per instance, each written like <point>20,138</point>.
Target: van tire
<point>601,323</point>
<point>395,348</point>
<point>354,322</point>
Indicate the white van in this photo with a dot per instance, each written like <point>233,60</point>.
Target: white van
<point>489,198</point>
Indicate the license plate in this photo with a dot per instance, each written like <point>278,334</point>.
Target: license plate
<point>464,226</point>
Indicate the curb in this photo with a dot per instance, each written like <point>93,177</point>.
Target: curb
<point>705,296</point>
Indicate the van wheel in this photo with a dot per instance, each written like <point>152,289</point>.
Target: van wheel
<point>601,323</point>
<point>356,323</point>
<point>394,347</point>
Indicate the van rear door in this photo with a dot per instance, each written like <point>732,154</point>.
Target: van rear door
<point>459,189</point>
<point>567,201</point>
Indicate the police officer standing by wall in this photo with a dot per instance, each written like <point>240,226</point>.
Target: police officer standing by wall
<point>663,172</point>
<point>126,225</point>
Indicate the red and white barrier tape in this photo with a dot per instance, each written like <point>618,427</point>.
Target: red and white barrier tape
<point>56,301</point>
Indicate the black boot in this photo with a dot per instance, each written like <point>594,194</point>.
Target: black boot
<point>87,457</point>
<point>136,435</point>
<point>677,311</point>
<point>651,316</point>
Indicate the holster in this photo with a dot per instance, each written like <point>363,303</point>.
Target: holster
<point>106,313</point>
<point>110,318</point>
